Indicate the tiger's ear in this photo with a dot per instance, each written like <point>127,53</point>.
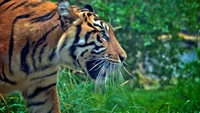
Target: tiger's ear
<point>65,9</point>
<point>89,7</point>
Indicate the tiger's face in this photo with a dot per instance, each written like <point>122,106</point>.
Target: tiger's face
<point>93,47</point>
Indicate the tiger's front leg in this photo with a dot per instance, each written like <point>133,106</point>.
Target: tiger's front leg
<point>42,96</point>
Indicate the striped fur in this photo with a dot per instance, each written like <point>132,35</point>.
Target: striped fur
<point>37,37</point>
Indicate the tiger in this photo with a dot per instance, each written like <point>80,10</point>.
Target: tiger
<point>37,37</point>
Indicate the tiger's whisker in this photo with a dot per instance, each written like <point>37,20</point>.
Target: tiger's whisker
<point>96,65</point>
<point>126,64</point>
<point>126,71</point>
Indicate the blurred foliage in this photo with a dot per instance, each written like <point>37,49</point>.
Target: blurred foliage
<point>192,68</point>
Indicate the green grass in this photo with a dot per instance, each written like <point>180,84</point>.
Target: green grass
<point>80,96</point>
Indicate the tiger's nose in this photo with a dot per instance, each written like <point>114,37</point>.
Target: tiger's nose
<point>122,57</point>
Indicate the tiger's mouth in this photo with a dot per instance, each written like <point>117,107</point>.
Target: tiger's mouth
<point>94,69</point>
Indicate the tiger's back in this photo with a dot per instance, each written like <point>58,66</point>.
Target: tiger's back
<point>36,37</point>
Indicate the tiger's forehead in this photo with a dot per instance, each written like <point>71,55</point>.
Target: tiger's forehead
<point>91,18</point>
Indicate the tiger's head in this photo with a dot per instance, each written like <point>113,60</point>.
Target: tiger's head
<point>89,42</point>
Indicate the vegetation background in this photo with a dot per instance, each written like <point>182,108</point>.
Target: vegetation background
<point>160,80</point>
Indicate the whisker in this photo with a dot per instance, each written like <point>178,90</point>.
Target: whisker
<point>106,70</point>
<point>99,79</point>
<point>126,64</point>
<point>112,73</point>
<point>101,71</point>
<point>92,59</point>
<point>96,65</point>
<point>127,71</point>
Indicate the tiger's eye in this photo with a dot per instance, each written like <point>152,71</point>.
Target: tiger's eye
<point>106,37</point>
<point>102,33</point>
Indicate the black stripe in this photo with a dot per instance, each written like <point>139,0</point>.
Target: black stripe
<point>76,40</point>
<point>72,50</point>
<point>89,14</point>
<point>50,111</point>
<point>5,79</point>
<point>90,25</point>
<point>64,44</point>
<point>62,23</point>
<point>51,74</point>
<point>41,52</point>
<point>85,19</point>
<point>42,68</point>
<point>84,15</point>
<point>96,47</point>
<point>20,5</point>
<point>11,43</point>
<point>98,26</point>
<point>96,19</point>
<point>106,37</point>
<point>33,43</point>
<point>39,42</point>
<point>9,6</point>
<point>99,39</point>
<point>52,55</point>
<point>5,1</point>
<point>33,4</point>
<point>45,17</point>
<point>36,103</point>
<point>24,65</point>
<point>84,52</point>
<point>93,52</point>
<point>40,90</point>
<point>87,36</point>
<point>89,44</point>
<point>101,23</point>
